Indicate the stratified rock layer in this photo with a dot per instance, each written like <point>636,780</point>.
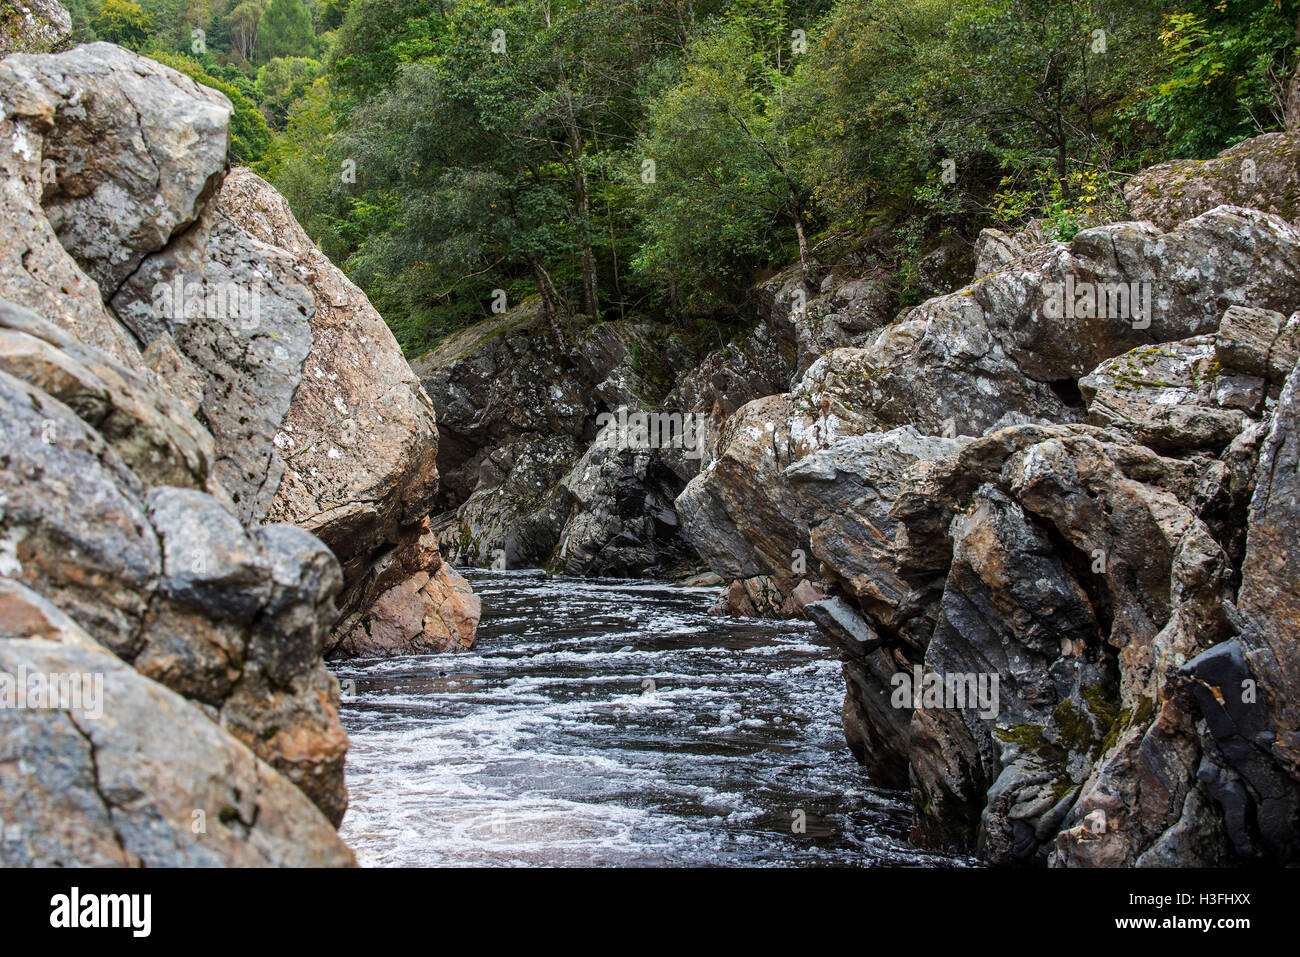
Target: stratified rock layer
<point>1051,516</point>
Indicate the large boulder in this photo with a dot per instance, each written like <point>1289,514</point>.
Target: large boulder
<point>529,476</point>
<point>1008,349</point>
<point>170,460</point>
<point>121,151</point>
<point>622,522</point>
<point>319,420</point>
<point>170,581</point>
<point>1170,398</point>
<point>850,493</point>
<point>497,381</point>
<point>739,512</point>
<point>887,588</point>
<point>135,150</point>
<point>118,192</point>
<point>109,768</point>
<point>417,604</point>
<point>1260,173</point>
<point>249,360</point>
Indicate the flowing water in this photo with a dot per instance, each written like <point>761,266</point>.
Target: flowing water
<point>603,722</point>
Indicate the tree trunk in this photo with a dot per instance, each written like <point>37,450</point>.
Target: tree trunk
<point>582,213</point>
<point>805,259</point>
<point>550,301</point>
<point>544,289</point>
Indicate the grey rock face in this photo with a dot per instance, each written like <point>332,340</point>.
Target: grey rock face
<point>73,517</point>
<point>1010,348</point>
<point>252,362</point>
<point>120,193</point>
<point>156,436</point>
<point>845,310</point>
<point>1166,396</point>
<point>33,26</point>
<point>1259,173</point>
<point>317,418</point>
<point>126,526</point>
<point>622,522</point>
<point>519,510</point>
<point>170,581</point>
<point>725,380</point>
<point>1258,736</point>
<point>35,270</point>
<point>125,772</point>
<point>740,513</point>
<point>495,381</point>
<point>526,481</point>
<point>1124,582</point>
<point>136,148</point>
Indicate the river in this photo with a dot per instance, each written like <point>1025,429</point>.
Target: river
<point>609,722</point>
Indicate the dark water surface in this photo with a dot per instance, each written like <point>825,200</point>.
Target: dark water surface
<point>603,722</point>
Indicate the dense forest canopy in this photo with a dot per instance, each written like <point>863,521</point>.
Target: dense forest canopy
<point>654,157</point>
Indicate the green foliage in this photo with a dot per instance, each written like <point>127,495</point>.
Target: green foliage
<point>241,26</point>
<point>285,30</point>
<point>1227,63</point>
<point>122,22</point>
<point>725,190</point>
<point>438,165</point>
<point>282,81</point>
<point>861,93</point>
<point>376,36</point>
<point>332,13</point>
<point>1042,86</point>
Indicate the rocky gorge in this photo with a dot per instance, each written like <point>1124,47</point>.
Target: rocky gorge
<point>1074,474</point>
<point>1088,496</point>
<point>1046,516</point>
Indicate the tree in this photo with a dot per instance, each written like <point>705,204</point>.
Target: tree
<point>1030,83</point>
<point>726,183</point>
<point>242,24</point>
<point>122,22</point>
<point>376,37</point>
<point>299,163</point>
<point>488,151</point>
<point>285,31</point>
<point>858,93</point>
<point>473,186</point>
<point>1227,65</point>
<point>280,82</point>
